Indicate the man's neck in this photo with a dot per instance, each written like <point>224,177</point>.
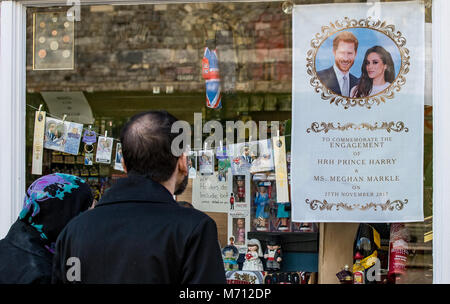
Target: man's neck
<point>169,185</point>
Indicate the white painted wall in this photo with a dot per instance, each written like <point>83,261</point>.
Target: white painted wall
<point>12,112</point>
<point>441,141</point>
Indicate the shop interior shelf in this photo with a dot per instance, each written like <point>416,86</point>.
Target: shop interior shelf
<point>290,241</point>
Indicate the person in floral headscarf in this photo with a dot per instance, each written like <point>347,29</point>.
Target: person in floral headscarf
<point>26,253</point>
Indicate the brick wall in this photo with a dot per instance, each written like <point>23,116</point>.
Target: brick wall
<point>133,48</point>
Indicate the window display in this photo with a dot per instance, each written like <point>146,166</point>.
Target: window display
<point>239,57</point>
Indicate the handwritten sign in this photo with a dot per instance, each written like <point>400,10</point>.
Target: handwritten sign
<point>209,194</point>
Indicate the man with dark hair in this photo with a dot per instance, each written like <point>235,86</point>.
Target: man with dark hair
<point>338,78</point>
<point>138,233</point>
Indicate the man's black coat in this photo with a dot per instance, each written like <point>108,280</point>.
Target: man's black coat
<point>138,233</point>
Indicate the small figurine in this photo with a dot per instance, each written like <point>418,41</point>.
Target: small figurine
<point>262,205</point>
<point>230,256</point>
<point>232,201</point>
<point>240,231</point>
<point>252,261</point>
<point>240,181</point>
<point>306,227</point>
<point>273,255</point>
<point>283,214</point>
<point>232,241</point>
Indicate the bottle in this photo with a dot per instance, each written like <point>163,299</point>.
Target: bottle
<point>358,270</point>
<point>345,276</point>
<point>348,278</point>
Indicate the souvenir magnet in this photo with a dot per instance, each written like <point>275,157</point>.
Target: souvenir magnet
<point>192,164</point>
<point>88,155</point>
<point>104,150</point>
<point>118,159</point>
<point>206,162</point>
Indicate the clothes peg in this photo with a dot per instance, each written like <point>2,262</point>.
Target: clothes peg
<point>39,112</point>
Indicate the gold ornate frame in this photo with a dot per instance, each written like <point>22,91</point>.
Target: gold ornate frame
<point>377,25</point>
<point>388,206</point>
<point>398,126</point>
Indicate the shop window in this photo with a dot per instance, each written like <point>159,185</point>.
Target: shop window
<point>121,60</point>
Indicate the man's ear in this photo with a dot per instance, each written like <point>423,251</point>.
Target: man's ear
<point>182,164</point>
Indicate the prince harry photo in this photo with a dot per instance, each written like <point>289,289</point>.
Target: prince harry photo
<point>338,78</point>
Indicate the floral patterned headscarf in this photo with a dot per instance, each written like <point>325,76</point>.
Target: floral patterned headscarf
<point>52,201</point>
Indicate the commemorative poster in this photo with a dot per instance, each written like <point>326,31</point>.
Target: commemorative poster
<point>357,121</point>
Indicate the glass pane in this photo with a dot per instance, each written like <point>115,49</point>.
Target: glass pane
<point>121,60</point>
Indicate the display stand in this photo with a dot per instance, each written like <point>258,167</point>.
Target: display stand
<point>290,241</point>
